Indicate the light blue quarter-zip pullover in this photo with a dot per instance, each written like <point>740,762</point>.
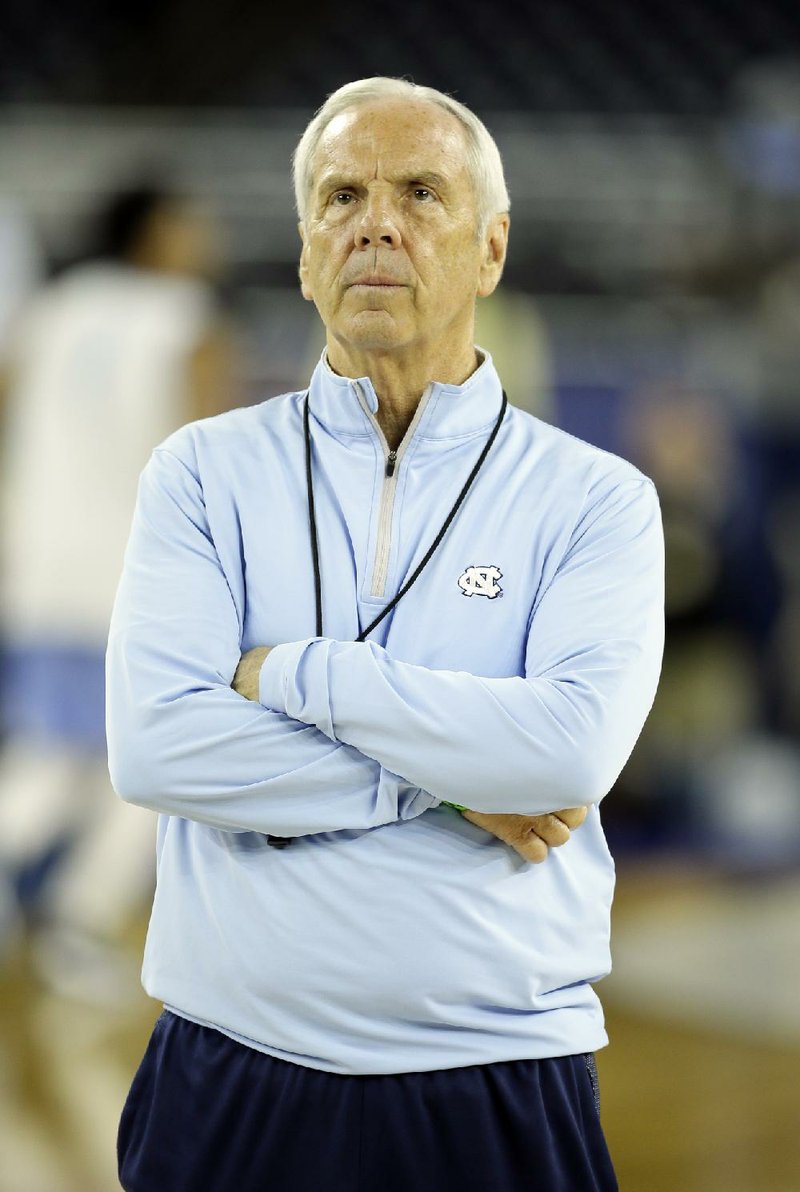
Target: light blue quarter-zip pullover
<point>515,676</point>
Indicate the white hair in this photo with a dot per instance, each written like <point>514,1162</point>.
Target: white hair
<point>483,161</point>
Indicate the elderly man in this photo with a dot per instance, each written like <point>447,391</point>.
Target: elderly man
<point>411,633</point>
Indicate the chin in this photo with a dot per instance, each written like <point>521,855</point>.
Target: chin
<point>372,331</point>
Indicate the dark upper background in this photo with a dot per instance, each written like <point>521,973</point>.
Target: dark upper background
<point>554,56</point>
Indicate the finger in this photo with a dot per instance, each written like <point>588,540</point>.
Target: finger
<point>532,849</point>
<point>573,817</point>
<point>552,830</point>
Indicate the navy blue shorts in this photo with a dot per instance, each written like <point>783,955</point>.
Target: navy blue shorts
<point>207,1114</point>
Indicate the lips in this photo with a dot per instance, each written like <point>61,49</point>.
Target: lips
<point>379,282</point>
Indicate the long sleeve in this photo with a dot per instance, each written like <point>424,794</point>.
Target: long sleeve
<point>557,736</point>
<point>180,740</point>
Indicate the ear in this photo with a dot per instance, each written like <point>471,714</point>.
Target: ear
<point>495,245</point>
<point>305,285</point>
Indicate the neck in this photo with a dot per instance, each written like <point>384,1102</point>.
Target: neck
<point>400,383</point>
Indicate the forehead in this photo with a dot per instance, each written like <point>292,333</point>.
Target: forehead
<point>391,136</point>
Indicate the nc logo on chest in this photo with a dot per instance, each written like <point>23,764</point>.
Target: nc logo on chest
<point>481,581</point>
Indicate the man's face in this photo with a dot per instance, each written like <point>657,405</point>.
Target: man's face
<point>391,256</point>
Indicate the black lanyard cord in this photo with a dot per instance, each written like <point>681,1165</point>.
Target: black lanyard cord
<point>432,548</point>
<point>282,841</point>
<point>445,526</point>
<point>312,520</point>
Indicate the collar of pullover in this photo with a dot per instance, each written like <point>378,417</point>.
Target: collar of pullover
<point>450,411</point>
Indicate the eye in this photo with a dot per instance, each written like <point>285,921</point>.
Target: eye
<point>422,194</point>
<point>342,198</point>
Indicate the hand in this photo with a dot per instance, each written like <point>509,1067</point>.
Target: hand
<point>245,681</point>
<point>532,836</point>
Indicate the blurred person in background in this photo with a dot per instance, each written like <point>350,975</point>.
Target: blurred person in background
<point>21,273</point>
<point>107,360</point>
<point>715,747</point>
<point>400,998</point>
<point>21,269</point>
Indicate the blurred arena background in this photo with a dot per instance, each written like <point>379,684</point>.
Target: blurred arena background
<point>651,305</point>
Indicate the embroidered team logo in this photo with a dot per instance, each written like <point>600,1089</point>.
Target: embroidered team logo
<point>481,581</point>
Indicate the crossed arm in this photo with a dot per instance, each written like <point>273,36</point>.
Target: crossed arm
<point>532,836</point>
<point>343,736</point>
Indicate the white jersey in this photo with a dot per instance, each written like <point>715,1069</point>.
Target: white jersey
<point>99,368</point>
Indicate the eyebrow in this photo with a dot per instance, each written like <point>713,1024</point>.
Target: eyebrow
<point>431,178</point>
<point>334,182</point>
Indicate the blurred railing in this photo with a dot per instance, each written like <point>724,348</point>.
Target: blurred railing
<point>621,196</point>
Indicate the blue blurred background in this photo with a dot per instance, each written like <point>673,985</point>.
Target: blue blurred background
<point>651,304</point>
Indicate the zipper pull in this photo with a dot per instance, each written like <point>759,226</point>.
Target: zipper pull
<point>390,462</point>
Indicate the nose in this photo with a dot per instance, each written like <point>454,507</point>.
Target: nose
<point>378,226</point>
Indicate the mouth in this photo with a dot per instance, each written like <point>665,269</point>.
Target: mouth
<point>376,283</point>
